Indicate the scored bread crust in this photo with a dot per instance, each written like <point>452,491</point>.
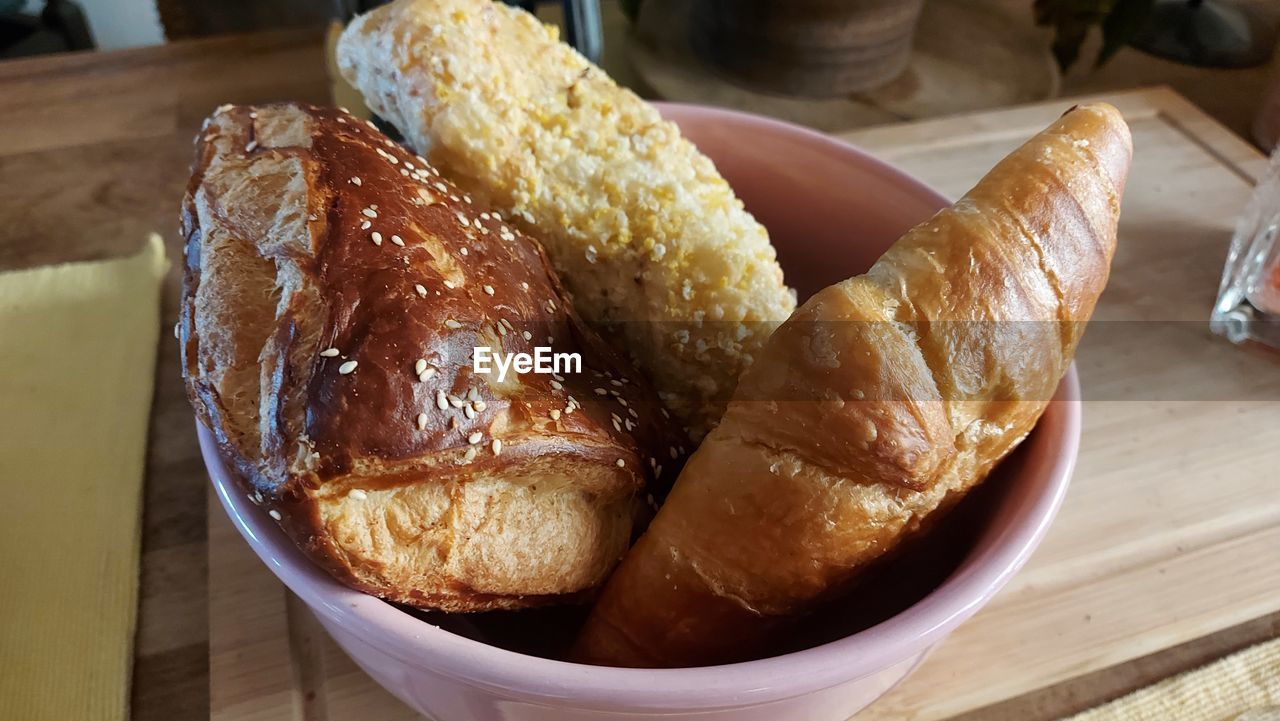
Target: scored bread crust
<point>334,289</point>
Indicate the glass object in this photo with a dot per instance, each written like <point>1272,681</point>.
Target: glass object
<point>1207,33</point>
<point>1248,307</point>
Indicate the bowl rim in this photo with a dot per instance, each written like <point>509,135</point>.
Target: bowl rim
<point>419,644</point>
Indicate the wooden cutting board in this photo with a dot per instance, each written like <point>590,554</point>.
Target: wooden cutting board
<point>1171,530</point>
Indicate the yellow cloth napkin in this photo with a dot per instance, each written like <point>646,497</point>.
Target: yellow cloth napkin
<point>77,357</point>
<point>1241,687</point>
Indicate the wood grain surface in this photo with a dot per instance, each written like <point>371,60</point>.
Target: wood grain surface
<point>1164,555</point>
<point>94,154</point>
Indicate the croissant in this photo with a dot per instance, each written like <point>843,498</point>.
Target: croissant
<point>881,400</point>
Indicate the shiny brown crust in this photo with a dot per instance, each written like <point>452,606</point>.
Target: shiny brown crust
<point>884,398</point>
<point>335,287</point>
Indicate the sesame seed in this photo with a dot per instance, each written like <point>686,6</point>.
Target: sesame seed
<point>601,392</point>
<point>497,446</point>
<point>426,374</point>
<point>358,494</point>
<point>665,414</point>
<point>451,323</point>
<point>621,463</point>
<point>473,394</point>
<point>463,251</point>
<point>422,291</point>
<point>469,411</point>
<point>419,366</point>
<point>616,425</point>
<point>633,413</point>
<point>673,452</point>
<point>591,254</point>
<point>369,213</point>
<point>441,401</point>
<point>629,424</point>
<point>475,438</point>
<point>557,376</point>
<point>329,353</point>
<point>422,421</point>
<point>177,329</point>
<point>527,335</point>
<point>569,408</point>
<point>616,382</point>
<point>555,414</point>
<point>366,225</point>
<point>622,402</point>
<point>524,285</point>
<point>347,367</point>
<point>377,237</point>
<point>456,402</point>
<point>449,284</point>
<point>274,514</point>
<point>252,144</point>
<point>396,239</point>
<point>441,187</point>
<point>479,406</point>
<point>488,289</point>
<point>355,180</point>
<point>557,385</point>
<point>484,216</point>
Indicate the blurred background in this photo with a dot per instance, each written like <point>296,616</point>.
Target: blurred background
<point>830,64</point>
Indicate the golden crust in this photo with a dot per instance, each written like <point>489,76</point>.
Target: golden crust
<point>641,227</point>
<point>335,286</point>
<point>902,388</point>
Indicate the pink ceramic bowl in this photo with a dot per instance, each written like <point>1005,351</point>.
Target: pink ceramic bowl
<point>831,211</point>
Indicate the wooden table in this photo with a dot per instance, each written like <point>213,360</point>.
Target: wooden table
<point>93,155</point>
